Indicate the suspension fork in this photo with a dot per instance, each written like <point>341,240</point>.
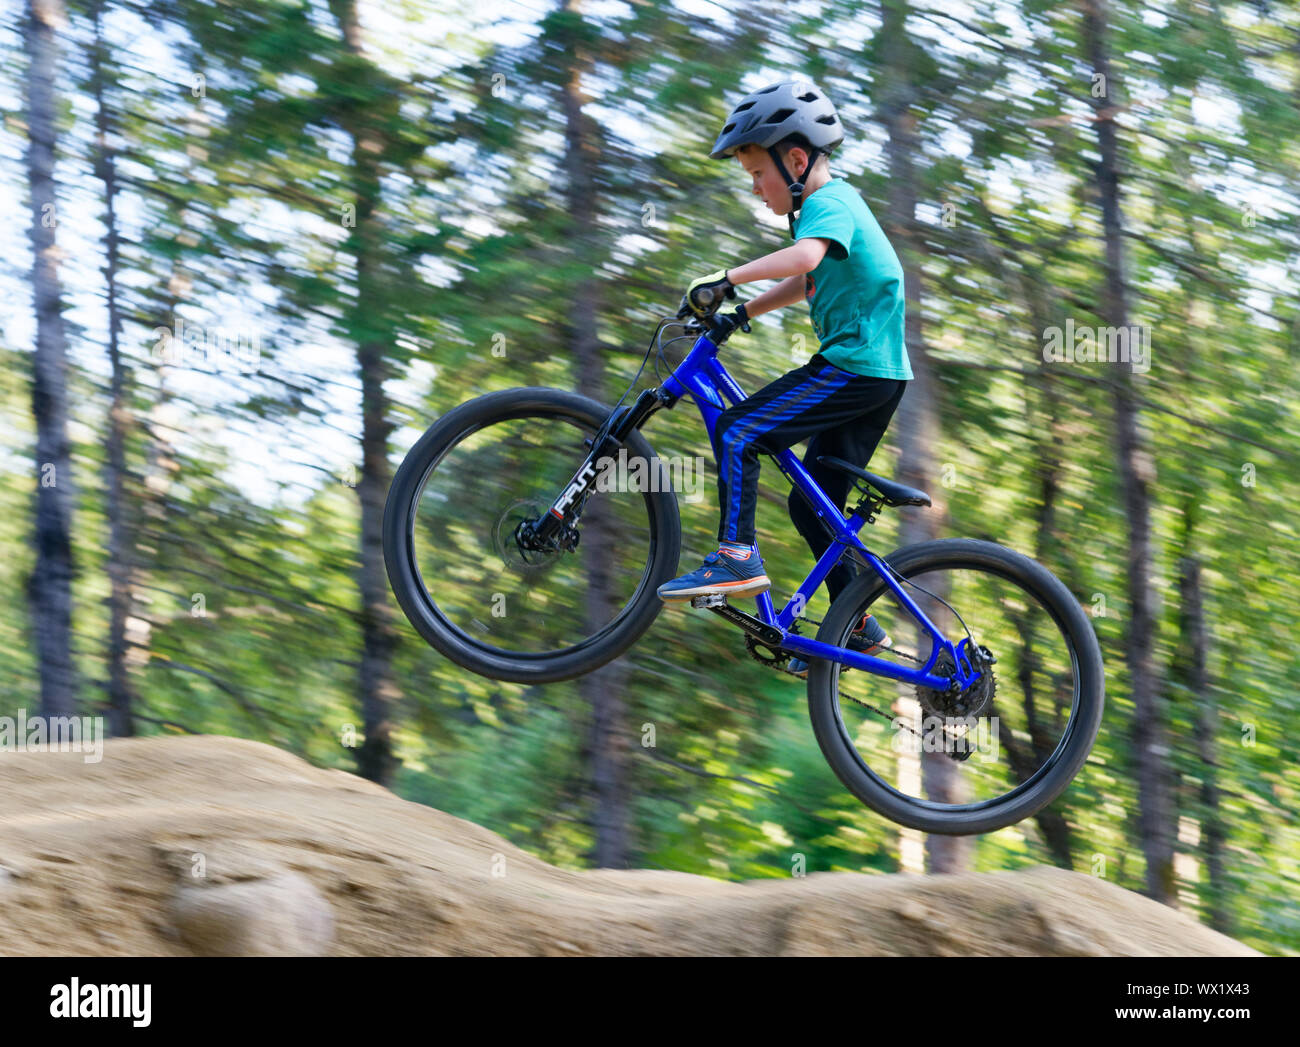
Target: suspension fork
<point>555,522</point>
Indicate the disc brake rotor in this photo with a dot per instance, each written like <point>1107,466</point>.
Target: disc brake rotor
<point>532,563</point>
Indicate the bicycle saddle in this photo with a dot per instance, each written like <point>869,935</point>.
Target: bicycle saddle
<point>893,492</point>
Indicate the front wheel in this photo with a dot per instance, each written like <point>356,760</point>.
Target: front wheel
<point>475,590</point>
<point>984,758</point>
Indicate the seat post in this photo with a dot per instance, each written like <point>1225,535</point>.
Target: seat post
<point>869,505</point>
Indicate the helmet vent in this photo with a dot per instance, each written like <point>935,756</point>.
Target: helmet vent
<point>826,119</point>
<point>779,116</point>
<point>742,107</point>
<point>810,96</point>
<point>767,90</point>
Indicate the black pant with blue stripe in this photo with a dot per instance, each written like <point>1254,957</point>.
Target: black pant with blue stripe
<point>844,414</point>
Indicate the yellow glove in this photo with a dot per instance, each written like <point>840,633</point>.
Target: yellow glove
<point>705,294</point>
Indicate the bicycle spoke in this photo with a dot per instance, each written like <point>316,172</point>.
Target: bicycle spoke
<point>920,742</point>
<point>518,600</point>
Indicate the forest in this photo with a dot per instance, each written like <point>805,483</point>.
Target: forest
<point>253,250</point>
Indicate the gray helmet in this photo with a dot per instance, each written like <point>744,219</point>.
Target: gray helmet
<point>775,112</point>
<point>772,113</point>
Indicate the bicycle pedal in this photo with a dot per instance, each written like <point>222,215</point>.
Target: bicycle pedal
<point>712,600</point>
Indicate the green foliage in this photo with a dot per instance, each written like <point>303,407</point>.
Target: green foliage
<point>478,264</point>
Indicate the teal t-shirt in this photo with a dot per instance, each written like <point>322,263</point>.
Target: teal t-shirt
<point>855,294</point>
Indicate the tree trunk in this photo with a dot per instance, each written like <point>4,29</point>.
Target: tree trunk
<point>1190,671</point>
<point>601,690</point>
<point>917,419</point>
<point>1050,454</point>
<point>49,587</point>
<point>161,461</point>
<point>120,692</point>
<point>1137,472</point>
<point>377,690</point>
<point>1194,653</point>
<point>1045,408</point>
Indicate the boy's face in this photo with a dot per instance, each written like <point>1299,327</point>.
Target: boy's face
<point>767,181</point>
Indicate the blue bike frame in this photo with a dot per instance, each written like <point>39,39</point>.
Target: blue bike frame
<point>704,376</point>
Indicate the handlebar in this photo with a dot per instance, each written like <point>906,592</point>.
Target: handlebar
<point>709,326</point>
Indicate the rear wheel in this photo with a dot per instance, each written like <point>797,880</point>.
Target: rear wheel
<point>475,591</point>
<point>990,756</point>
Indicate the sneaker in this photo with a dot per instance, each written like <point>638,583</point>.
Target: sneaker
<point>867,638</point>
<point>727,572</point>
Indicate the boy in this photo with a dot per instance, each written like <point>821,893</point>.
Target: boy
<point>845,396</point>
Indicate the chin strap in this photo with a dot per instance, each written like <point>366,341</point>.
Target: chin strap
<point>796,187</point>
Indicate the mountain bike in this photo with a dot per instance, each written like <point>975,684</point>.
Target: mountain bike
<point>482,532</point>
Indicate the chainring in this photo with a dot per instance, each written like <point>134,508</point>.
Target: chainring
<point>772,657</point>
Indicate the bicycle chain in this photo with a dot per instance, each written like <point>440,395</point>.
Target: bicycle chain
<point>778,663</point>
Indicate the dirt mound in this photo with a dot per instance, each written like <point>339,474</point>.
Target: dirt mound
<point>211,845</point>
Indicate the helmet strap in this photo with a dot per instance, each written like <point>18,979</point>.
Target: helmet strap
<point>796,187</point>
